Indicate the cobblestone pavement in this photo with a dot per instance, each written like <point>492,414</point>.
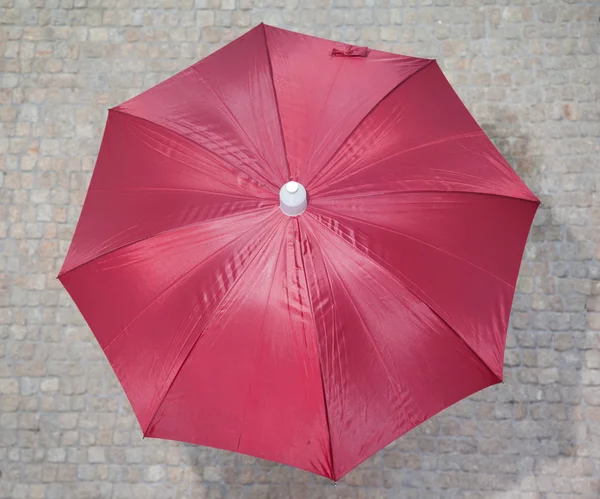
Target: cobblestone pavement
<point>529,72</point>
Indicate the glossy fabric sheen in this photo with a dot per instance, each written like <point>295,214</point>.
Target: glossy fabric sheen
<point>314,340</point>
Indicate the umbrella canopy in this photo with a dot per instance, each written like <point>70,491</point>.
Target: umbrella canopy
<point>313,322</point>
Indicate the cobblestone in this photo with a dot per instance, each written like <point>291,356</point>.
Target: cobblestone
<point>530,73</point>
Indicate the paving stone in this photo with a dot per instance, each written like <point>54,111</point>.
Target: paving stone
<point>529,72</point>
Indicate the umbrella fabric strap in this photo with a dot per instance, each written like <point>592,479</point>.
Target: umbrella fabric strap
<point>350,51</point>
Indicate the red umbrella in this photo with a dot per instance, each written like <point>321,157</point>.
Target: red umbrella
<point>233,318</point>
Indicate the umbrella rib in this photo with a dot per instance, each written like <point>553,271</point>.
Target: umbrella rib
<point>317,131</point>
<point>287,160</point>
<point>209,323</point>
<point>394,382</point>
<point>327,419</point>
<point>424,191</point>
<point>259,181</point>
<point>343,143</point>
<point>435,308</point>
<point>176,281</point>
<point>176,229</point>
<point>400,153</point>
<point>401,234</point>
<point>186,154</point>
<point>259,347</point>
<point>233,119</point>
<point>323,177</point>
<point>167,189</point>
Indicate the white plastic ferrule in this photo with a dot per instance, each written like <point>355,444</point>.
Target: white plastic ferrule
<point>292,199</point>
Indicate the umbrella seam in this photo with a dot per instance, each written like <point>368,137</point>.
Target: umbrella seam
<point>404,151</point>
<point>176,281</point>
<point>401,234</point>
<point>233,118</point>
<point>170,189</point>
<point>262,183</point>
<point>258,349</point>
<point>437,310</point>
<point>322,110</point>
<point>393,380</point>
<point>325,403</point>
<point>439,191</point>
<point>205,327</point>
<point>147,132</point>
<point>161,233</point>
<point>283,141</point>
<point>429,62</point>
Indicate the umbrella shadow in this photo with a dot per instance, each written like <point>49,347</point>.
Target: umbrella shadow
<point>521,436</point>
<point>217,474</point>
<point>499,441</point>
<point>545,372</point>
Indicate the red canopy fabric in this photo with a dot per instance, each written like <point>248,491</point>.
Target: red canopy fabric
<point>311,340</point>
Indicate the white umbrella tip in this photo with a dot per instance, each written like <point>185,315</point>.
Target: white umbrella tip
<point>292,198</point>
<point>292,186</point>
